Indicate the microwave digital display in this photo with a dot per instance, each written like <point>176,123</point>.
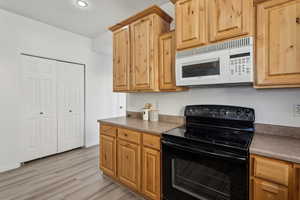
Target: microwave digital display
<point>201,69</point>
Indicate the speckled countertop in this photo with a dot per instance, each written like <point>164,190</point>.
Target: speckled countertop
<point>141,125</point>
<point>277,147</point>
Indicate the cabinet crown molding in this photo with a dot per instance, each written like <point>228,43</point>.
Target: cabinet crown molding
<point>151,10</point>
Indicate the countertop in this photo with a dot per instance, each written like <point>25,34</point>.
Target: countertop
<point>140,125</point>
<point>273,146</point>
<point>277,147</point>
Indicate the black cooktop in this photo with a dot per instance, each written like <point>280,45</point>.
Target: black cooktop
<point>219,125</point>
<point>215,136</point>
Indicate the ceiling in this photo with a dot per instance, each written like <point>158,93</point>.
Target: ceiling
<point>65,14</point>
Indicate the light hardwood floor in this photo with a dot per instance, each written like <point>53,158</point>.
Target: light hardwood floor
<point>72,175</point>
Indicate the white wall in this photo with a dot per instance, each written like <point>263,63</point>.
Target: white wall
<point>272,106</point>
<point>23,35</point>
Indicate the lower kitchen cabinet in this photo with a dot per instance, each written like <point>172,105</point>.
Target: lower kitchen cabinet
<point>129,164</point>
<point>273,179</point>
<point>297,182</point>
<point>151,173</point>
<point>132,158</point>
<point>264,190</point>
<point>108,155</point>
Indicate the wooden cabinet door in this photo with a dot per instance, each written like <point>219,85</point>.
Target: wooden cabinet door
<point>278,43</point>
<point>297,182</point>
<point>129,164</point>
<point>151,173</point>
<point>142,54</point>
<point>121,60</point>
<point>108,155</point>
<point>267,191</point>
<point>191,23</point>
<point>229,18</point>
<point>167,62</point>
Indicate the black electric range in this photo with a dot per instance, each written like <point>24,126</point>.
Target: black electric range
<point>208,159</point>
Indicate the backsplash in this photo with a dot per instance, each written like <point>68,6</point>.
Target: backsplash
<point>272,106</point>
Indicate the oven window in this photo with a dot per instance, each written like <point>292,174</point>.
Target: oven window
<point>201,69</point>
<point>210,180</point>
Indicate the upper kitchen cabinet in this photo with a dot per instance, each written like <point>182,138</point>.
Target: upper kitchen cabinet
<point>191,23</point>
<point>121,59</point>
<point>136,50</point>
<point>229,19</point>
<point>167,63</point>
<point>200,22</point>
<point>278,44</point>
<point>145,51</point>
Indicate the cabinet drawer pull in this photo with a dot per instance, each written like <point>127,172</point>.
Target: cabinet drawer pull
<point>270,188</point>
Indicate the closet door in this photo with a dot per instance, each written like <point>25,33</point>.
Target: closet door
<point>39,120</point>
<point>70,106</point>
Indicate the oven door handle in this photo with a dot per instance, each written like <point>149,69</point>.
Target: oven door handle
<point>200,151</point>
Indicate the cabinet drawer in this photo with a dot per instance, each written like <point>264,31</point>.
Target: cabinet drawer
<point>151,141</point>
<point>268,191</point>
<point>129,135</point>
<point>272,170</point>
<point>108,130</point>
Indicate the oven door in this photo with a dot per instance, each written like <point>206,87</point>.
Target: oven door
<point>194,174</point>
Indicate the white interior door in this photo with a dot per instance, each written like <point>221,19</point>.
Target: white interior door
<point>70,106</point>
<point>39,120</point>
<point>121,110</point>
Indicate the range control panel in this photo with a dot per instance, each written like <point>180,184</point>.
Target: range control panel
<point>221,112</point>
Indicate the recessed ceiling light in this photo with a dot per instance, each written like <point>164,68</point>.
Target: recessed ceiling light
<point>82,3</point>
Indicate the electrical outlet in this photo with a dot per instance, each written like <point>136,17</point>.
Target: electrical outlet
<point>297,110</point>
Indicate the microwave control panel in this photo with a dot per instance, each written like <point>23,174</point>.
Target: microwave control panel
<point>240,65</point>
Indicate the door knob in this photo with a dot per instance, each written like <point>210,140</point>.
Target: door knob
<point>298,20</point>
<point>41,113</point>
<point>70,111</point>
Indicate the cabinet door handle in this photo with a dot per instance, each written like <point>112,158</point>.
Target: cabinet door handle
<point>70,111</point>
<point>298,20</point>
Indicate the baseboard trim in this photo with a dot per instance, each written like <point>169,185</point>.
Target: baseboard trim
<point>4,168</point>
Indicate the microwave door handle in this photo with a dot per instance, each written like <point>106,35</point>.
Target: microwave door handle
<point>200,151</point>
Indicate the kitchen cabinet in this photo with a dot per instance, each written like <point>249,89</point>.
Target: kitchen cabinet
<point>264,190</point>
<point>191,23</point>
<point>151,173</point>
<point>297,181</point>
<point>151,167</point>
<point>201,22</point>
<point>132,158</point>
<point>143,62</point>
<point>129,164</point>
<point>278,44</point>
<point>136,50</point>
<point>167,79</point>
<point>271,179</point>
<point>121,60</point>
<point>108,155</point>
<point>229,19</point>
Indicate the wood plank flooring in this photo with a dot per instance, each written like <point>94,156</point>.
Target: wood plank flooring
<point>72,175</point>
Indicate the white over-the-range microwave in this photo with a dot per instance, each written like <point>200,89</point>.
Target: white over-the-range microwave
<point>229,62</point>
